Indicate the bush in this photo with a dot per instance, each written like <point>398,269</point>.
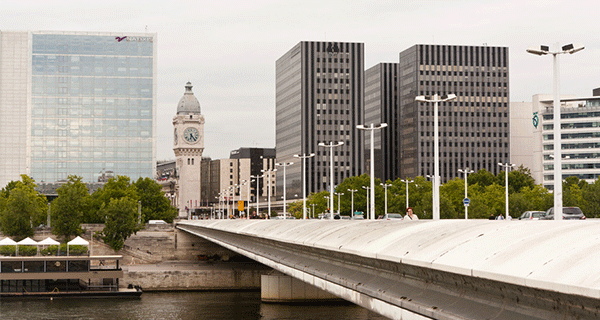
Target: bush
<point>27,251</point>
<point>50,251</point>
<point>74,250</point>
<point>8,250</point>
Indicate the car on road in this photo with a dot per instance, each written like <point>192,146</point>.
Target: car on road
<point>569,213</point>
<point>392,216</point>
<point>358,217</point>
<point>532,215</point>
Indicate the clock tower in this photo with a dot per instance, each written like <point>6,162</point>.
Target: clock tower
<point>188,144</point>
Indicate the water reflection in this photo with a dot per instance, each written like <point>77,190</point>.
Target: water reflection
<point>178,305</point>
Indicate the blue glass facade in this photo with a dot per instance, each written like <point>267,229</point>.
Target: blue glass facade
<point>92,106</point>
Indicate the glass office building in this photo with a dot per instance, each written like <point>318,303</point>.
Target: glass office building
<point>84,104</point>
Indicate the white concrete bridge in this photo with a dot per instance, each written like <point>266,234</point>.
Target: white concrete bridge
<point>448,269</point>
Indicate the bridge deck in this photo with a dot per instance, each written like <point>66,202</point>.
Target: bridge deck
<point>522,269</point>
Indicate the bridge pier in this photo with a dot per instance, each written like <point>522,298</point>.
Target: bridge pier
<point>280,288</point>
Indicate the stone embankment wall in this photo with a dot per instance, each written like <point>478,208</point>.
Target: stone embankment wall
<point>197,276</point>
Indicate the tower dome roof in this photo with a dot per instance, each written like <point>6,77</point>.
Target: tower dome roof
<point>188,103</point>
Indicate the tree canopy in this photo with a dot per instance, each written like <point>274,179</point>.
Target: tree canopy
<point>68,210</point>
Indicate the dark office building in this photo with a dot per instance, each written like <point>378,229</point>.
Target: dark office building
<point>319,98</point>
<point>381,106</point>
<point>474,128</point>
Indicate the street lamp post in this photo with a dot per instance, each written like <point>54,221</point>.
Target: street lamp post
<point>331,145</point>
<point>248,207</point>
<point>436,148</point>
<point>304,157</point>
<point>268,174</point>
<point>466,171</point>
<point>339,194</point>
<point>352,191</point>
<point>506,167</point>
<point>543,50</point>
<point>284,165</point>
<point>367,188</point>
<point>407,181</point>
<point>385,185</point>
<point>257,177</point>
<point>372,129</point>
<point>313,210</point>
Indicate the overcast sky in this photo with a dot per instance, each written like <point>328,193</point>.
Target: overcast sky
<point>228,49</point>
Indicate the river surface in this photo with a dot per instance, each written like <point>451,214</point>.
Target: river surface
<point>179,305</point>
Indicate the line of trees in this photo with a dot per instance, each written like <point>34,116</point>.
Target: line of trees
<point>117,204</point>
<point>486,192</point>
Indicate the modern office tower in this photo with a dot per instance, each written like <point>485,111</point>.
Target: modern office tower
<point>77,103</point>
<point>381,106</point>
<point>319,98</point>
<point>580,136</point>
<point>473,129</point>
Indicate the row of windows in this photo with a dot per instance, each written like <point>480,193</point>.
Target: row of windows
<point>347,122</point>
<point>332,111</point>
<point>335,60</point>
<point>589,176</point>
<point>335,80</point>
<point>580,125</point>
<point>592,145</point>
<point>590,114</point>
<point>576,156</point>
<point>92,45</point>
<point>584,135</point>
<point>466,134</point>
<point>466,73</point>
<point>473,154</point>
<point>467,114</point>
<point>574,166</point>
<point>466,144</point>
<point>340,91</point>
<point>97,132</point>
<point>463,124</point>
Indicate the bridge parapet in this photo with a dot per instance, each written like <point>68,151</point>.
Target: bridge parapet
<point>512,268</point>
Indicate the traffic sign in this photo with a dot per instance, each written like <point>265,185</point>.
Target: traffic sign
<point>466,201</point>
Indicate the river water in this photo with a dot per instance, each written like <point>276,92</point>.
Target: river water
<point>179,305</point>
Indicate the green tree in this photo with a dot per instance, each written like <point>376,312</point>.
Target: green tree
<point>591,205</point>
<point>155,206</point>
<point>518,179</point>
<point>319,202</point>
<point>115,188</point>
<point>482,177</point>
<point>22,208</point>
<point>68,210</point>
<point>121,221</point>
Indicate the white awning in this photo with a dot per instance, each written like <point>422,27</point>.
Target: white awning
<point>78,241</point>
<point>7,242</point>
<point>48,242</point>
<point>27,242</point>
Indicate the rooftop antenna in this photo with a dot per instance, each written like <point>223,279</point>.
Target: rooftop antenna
<point>146,28</point>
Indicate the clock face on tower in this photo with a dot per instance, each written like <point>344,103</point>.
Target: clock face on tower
<point>191,135</point>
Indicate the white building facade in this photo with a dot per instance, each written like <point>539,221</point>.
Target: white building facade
<point>77,103</point>
<point>580,139</point>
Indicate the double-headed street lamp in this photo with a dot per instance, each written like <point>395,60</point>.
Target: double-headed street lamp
<point>407,181</point>
<point>331,145</point>
<point>352,191</point>
<point>268,173</point>
<point>372,129</point>
<point>385,186</point>
<point>339,194</point>
<point>304,157</point>
<point>257,177</point>
<point>284,165</point>
<point>543,50</point>
<point>436,148</point>
<point>466,171</point>
<point>367,188</point>
<point>506,167</point>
